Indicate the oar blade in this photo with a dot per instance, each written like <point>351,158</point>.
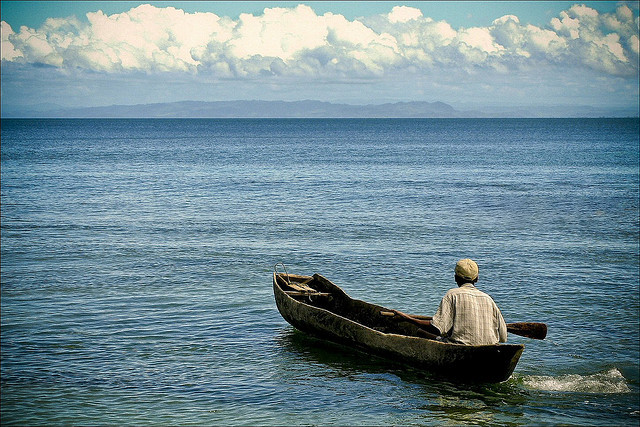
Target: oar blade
<point>528,329</point>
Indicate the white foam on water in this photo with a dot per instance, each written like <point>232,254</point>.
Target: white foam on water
<point>611,381</point>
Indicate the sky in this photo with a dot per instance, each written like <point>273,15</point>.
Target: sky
<point>468,54</point>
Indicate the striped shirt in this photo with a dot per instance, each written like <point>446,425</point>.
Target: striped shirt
<point>467,315</point>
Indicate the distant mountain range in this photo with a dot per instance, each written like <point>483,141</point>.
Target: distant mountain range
<point>302,109</point>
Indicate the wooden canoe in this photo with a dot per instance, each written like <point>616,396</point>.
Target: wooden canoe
<point>314,305</point>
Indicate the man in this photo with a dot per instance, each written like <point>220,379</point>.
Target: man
<point>466,315</point>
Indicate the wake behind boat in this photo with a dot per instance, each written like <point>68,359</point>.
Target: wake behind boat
<point>314,305</point>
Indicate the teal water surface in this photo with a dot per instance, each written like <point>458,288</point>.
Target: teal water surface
<point>137,259</point>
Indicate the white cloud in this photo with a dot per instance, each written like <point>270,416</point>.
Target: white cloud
<point>403,14</point>
<point>9,52</point>
<point>634,44</point>
<point>279,33</point>
<point>298,42</point>
<point>479,38</point>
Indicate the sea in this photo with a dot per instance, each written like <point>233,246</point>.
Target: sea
<point>137,259</point>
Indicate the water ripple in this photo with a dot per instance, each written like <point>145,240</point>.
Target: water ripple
<point>137,259</point>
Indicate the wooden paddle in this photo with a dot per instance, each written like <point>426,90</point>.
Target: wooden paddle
<point>537,331</point>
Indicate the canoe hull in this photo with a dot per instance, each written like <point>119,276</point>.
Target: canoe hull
<point>341,320</point>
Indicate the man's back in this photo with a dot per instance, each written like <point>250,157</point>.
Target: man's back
<point>469,316</point>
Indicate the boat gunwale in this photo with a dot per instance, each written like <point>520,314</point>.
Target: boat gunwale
<point>401,336</point>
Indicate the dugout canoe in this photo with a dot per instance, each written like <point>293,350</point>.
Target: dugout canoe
<point>316,306</point>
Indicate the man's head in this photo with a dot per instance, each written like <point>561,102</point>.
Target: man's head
<point>466,271</point>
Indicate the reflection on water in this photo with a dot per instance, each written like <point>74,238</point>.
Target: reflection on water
<point>427,398</point>
<point>417,397</point>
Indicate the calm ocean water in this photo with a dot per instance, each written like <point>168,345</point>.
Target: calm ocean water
<point>137,259</point>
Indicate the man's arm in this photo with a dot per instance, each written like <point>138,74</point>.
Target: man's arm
<point>502,328</point>
<point>424,323</point>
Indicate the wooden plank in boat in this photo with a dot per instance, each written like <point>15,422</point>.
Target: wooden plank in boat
<point>313,294</point>
<point>298,286</point>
